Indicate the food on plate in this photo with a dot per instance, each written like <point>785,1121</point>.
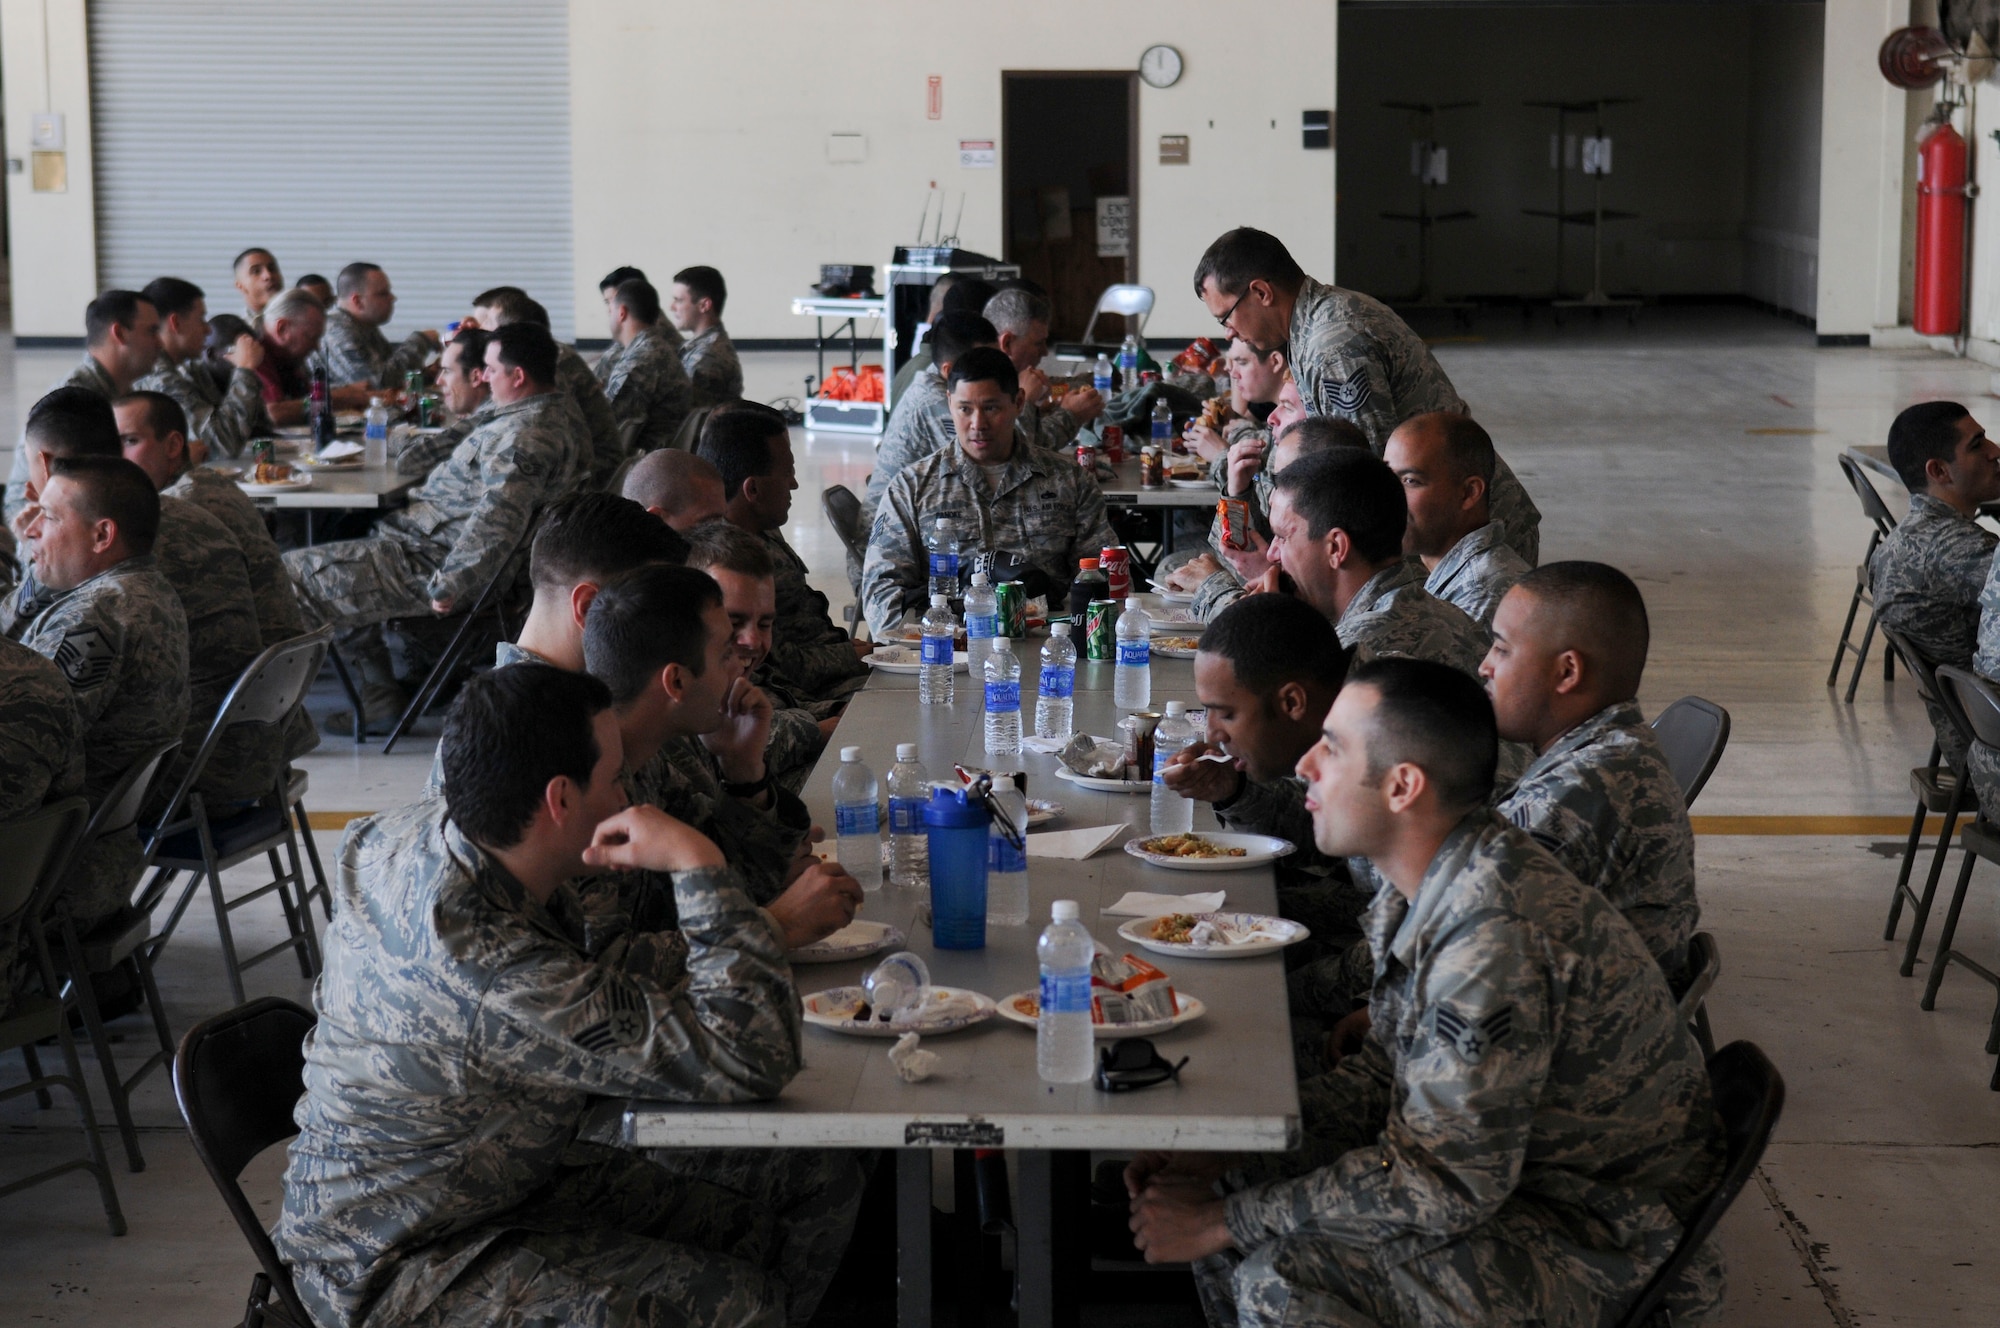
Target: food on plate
<point>1184,471</point>
<point>1175,928</point>
<point>1190,846</point>
<point>1176,643</point>
<point>1124,989</point>
<point>272,472</point>
<point>897,655</point>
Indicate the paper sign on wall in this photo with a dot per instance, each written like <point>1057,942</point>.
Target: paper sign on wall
<point>977,154</point>
<point>1114,227</point>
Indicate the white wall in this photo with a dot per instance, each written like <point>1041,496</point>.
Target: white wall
<point>52,236</point>
<point>1862,146</point>
<point>729,167</point>
<point>1781,159</point>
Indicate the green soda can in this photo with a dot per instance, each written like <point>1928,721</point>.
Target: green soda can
<point>1101,629</point>
<point>1013,609</point>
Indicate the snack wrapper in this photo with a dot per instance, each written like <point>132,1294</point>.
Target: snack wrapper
<point>1125,989</point>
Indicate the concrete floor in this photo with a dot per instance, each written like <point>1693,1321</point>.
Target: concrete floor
<point>1696,450</point>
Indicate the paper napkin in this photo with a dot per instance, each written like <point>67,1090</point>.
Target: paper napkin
<point>1139,904</point>
<point>1075,845</point>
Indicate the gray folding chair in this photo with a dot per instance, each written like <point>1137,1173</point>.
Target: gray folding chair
<point>1704,967</point>
<point>187,839</point>
<point>843,513</point>
<point>1979,702</point>
<point>33,852</point>
<point>1130,302</point>
<point>1883,521</point>
<point>1692,734</point>
<point>1939,789</point>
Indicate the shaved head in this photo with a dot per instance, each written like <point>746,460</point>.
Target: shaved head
<point>1569,640</point>
<point>1596,610</point>
<point>681,488</point>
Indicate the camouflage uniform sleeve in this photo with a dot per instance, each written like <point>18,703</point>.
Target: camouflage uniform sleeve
<point>347,360</point>
<point>624,1023</point>
<point>912,437</point>
<point>1056,429</point>
<point>1215,594</point>
<point>41,734</point>
<point>407,358</point>
<point>1093,525</point>
<point>762,843</point>
<point>518,476</point>
<point>1479,1035</point>
<point>1569,837</point>
<point>897,569</point>
<point>421,455</point>
<point>240,417</point>
<point>1351,382</point>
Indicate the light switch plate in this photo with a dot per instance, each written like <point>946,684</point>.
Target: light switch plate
<point>45,131</point>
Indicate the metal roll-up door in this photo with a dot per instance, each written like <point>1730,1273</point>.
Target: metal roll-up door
<point>431,138</point>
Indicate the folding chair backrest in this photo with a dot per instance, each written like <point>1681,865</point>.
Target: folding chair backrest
<point>1976,699</point>
<point>1128,300</point>
<point>121,806</point>
<point>33,851</point>
<point>1692,734</point>
<point>1749,1097</point>
<point>1925,671</point>
<point>238,1077</point>
<point>843,513</point>
<point>1704,966</point>
<point>1872,505</point>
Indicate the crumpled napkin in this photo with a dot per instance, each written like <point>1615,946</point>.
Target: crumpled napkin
<point>1139,904</point>
<point>913,1064</point>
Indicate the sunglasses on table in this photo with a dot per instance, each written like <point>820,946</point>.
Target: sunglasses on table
<point>1131,1063</point>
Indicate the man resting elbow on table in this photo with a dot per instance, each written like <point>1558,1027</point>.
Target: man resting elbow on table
<point>464,1027</point>
<point>1529,1120</point>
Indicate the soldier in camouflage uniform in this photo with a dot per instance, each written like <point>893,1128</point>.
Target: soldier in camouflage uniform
<point>707,354</point>
<point>224,421</point>
<point>1928,576</point>
<point>1599,795</point>
<point>1015,505</point>
<point>435,554</point>
<point>645,383</point>
<point>119,637</point>
<point>41,760</point>
<point>1447,465</point>
<point>123,331</point>
<point>920,421</point>
<point>601,457</point>
<point>466,1021</point>
<point>1527,1124</point>
<point>353,346</point>
<point>461,386</point>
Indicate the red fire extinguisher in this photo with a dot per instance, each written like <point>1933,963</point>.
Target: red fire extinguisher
<point>1939,303</point>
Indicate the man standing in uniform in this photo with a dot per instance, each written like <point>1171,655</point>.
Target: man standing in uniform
<point>355,349</point>
<point>647,387</point>
<point>1528,1123</point>
<point>466,1023</point>
<point>258,281</point>
<point>1022,512</point>
<point>707,355</point>
<point>502,305</point>
<point>1446,465</point>
<point>436,553</point>
<point>1569,649</point>
<point>224,421</point>
<point>920,421</point>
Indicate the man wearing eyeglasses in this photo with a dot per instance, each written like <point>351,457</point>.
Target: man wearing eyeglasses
<point>1351,355</point>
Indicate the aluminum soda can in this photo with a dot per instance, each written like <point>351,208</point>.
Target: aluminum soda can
<point>1114,444</point>
<point>1152,469</point>
<point>1116,562</point>
<point>1086,458</point>
<point>1100,629</point>
<point>1012,614</point>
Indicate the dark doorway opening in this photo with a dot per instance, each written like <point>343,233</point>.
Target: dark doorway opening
<point>1067,142</point>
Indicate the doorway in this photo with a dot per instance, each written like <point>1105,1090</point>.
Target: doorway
<point>1068,149</point>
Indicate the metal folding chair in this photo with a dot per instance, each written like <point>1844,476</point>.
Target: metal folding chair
<point>237,1078</point>
<point>1938,788</point>
<point>1884,521</point>
<point>1128,301</point>
<point>1979,701</point>
<point>33,853</point>
<point>1704,967</point>
<point>1692,734</point>
<point>187,839</point>
<point>843,513</point>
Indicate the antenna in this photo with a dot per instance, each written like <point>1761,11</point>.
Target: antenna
<point>953,241</point>
<point>925,215</point>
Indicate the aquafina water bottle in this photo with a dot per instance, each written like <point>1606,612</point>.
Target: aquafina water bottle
<point>1173,814</point>
<point>1003,701</point>
<point>1063,1041</point>
<point>1055,705</point>
<point>943,547</point>
<point>1132,679</point>
<point>934,674</point>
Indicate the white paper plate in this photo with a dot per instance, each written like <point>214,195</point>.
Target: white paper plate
<point>1260,849</point>
<point>817,1005</point>
<point>911,665</point>
<point>1191,1007</point>
<point>1168,595</point>
<point>1173,624</point>
<point>1193,484</point>
<point>1283,932</point>
<point>1041,811</point>
<point>297,481</point>
<point>1175,652</point>
<point>352,462</point>
<point>857,940</point>
<point>1104,785</point>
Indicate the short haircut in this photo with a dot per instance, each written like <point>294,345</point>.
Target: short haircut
<point>527,346</point>
<point>1351,491</point>
<point>1270,640</point>
<point>957,332</point>
<point>291,304</point>
<point>1324,433</point>
<point>73,422</point>
<point>1437,719</point>
<point>939,289</point>
<point>510,732</point>
<point>720,546</point>
<point>1244,255</point>
<point>595,537</point>
<point>1015,309</point>
<point>1927,431</point>
<point>985,364</point>
<point>968,295</point>
<point>114,308</point>
<point>163,414</point>
<point>510,304</point>
<point>637,296</point>
<point>1601,613</point>
<point>312,281</point>
<point>645,620</point>
<point>704,283</point>
<point>223,330</point>
<point>667,479</point>
<point>1468,448</point>
<point>353,279</point>
<point>114,489</point>
<point>618,276</point>
<point>171,295</point>
<point>471,342</point>
<point>737,442</point>
<point>236,264</point>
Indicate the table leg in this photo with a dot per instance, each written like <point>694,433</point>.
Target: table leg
<point>913,1238</point>
<point>1034,1249</point>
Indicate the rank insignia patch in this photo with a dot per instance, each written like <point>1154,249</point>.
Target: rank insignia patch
<point>85,658</point>
<point>1473,1038</point>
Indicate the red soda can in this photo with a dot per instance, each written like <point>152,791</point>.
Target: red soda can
<point>1114,443</point>
<point>1116,562</point>
<point>1086,458</point>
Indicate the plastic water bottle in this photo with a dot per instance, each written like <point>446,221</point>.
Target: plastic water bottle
<point>857,819</point>
<point>1163,426</point>
<point>909,841</point>
<point>1100,376</point>
<point>1132,679</point>
<point>375,439</point>
<point>1007,866</point>
<point>1003,701</point>
<point>1064,1053</point>
<point>934,674</point>
<point>982,624</point>
<point>1128,364</point>
<point>1055,705</point>
<point>1173,814</point>
<point>943,546</point>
